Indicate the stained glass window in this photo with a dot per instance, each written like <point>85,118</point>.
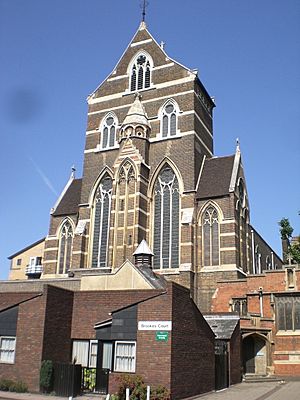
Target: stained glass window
<point>140,74</point>
<point>65,247</point>
<point>288,313</point>
<point>210,232</point>
<point>102,207</point>
<point>166,220</point>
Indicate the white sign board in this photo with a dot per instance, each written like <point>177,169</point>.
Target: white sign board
<point>155,325</point>
<point>187,216</point>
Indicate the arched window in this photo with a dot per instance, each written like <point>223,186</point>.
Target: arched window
<point>140,75</point>
<point>169,120</point>
<point>268,263</point>
<point>108,132</point>
<point>65,247</point>
<point>210,233</point>
<point>166,220</point>
<point>102,207</point>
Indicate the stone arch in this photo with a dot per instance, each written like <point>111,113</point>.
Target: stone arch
<point>157,170</point>
<point>96,183</point>
<point>255,353</point>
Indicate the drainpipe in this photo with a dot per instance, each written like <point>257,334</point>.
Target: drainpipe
<point>253,254</point>
<point>260,293</point>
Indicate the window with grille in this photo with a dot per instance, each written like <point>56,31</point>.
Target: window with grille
<point>65,248</point>
<point>125,356</point>
<point>169,120</point>
<point>7,349</point>
<point>102,207</point>
<point>288,313</point>
<point>166,220</point>
<point>140,77</point>
<point>109,128</point>
<point>210,233</point>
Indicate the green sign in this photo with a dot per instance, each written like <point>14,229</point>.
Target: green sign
<point>162,336</point>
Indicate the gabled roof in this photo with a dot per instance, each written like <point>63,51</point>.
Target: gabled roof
<point>216,177</point>
<point>68,202</point>
<point>222,325</point>
<point>142,34</point>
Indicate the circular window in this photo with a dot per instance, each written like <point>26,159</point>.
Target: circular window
<point>169,108</point>
<point>109,121</point>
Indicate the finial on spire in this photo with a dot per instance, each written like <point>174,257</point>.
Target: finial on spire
<point>73,170</point>
<point>144,4</point>
<point>237,144</point>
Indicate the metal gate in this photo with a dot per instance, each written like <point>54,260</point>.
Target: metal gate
<point>67,379</point>
<point>221,365</point>
<point>95,380</point>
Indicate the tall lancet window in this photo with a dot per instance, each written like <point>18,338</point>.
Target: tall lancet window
<point>65,247</point>
<point>210,234</point>
<point>169,120</point>
<point>140,77</point>
<point>102,207</point>
<point>109,128</point>
<point>166,220</point>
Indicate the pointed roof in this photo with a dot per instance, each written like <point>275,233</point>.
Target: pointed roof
<point>69,199</point>
<point>216,177</point>
<point>143,248</point>
<point>136,114</point>
<point>142,35</point>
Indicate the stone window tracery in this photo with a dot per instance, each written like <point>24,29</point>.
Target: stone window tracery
<point>140,76</point>
<point>102,208</point>
<point>166,220</point>
<point>109,129</point>
<point>169,120</point>
<point>210,233</point>
<point>65,247</point>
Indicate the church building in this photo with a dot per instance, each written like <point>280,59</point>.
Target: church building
<point>154,210</point>
<point>150,173</point>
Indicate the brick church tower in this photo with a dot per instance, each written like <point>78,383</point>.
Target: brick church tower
<point>150,173</point>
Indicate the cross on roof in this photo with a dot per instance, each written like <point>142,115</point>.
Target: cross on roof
<point>144,4</point>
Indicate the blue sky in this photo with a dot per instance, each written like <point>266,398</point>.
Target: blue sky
<point>54,53</point>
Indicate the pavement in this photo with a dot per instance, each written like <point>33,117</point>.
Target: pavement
<point>289,390</point>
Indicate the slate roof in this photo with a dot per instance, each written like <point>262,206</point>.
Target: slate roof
<point>222,326</point>
<point>69,203</point>
<point>215,177</point>
<point>157,281</point>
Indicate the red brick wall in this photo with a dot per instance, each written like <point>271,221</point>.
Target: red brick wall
<point>235,356</point>
<point>58,323</point>
<point>29,343</point>
<point>271,283</point>
<point>91,307</point>
<point>153,357</point>
<point>193,359</point>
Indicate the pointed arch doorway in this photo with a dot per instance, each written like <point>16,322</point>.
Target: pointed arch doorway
<point>255,354</point>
